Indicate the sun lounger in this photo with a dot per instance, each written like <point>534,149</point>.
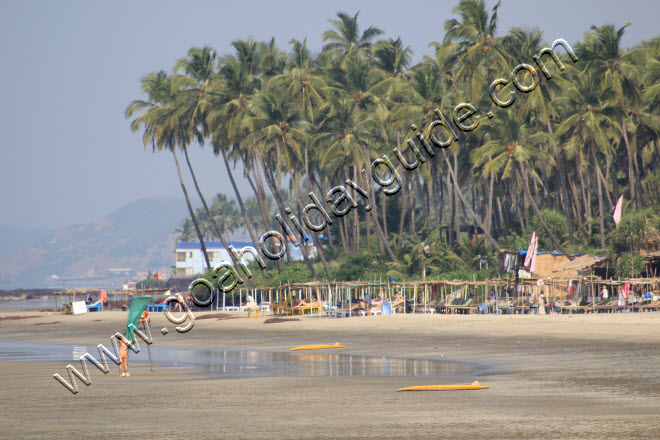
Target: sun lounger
<point>158,307</point>
<point>466,308</point>
<point>300,310</point>
<point>652,306</point>
<point>96,307</point>
<point>606,306</point>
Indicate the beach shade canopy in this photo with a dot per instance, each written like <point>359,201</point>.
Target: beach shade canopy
<point>137,308</point>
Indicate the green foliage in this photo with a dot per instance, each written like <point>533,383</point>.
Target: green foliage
<point>556,221</point>
<point>634,230</point>
<point>630,265</point>
<point>150,284</point>
<point>291,273</point>
<point>315,121</point>
<point>359,267</point>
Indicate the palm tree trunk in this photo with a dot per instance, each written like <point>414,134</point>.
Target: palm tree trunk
<point>317,243</point>
<point>468,207</point>
<point>450,224</point>
<point>631,174</point>
<point>412,206</point>
<point>516,206</point>
<point>379,232</point>
<point>248,223</point>
<point>562,187</point>
<point>489,208</point>
<point>604,183</point>
<point>601,207</point>
<point>576,203</point>
<point>315,235</point>
<point>190,210</point>
<point>208,212</point>
<point>342,234</point>
<point>261,193</point>
<point>280,206</point>
<point>499,210</point>
<point>404,206</point>
<point>356,216</point>
<point>457,222</point>
<point>554,240</point>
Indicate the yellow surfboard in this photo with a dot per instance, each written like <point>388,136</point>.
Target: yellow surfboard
<point>474,386</point>
<point>317,347</point>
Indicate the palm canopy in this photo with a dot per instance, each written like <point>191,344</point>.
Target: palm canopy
<point>346,39</point>
<point>512,143</point>
<point>471,38</point>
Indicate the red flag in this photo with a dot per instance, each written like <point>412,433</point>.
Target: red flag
<point>617,211</point>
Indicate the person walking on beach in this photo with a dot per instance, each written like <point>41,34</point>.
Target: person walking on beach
<point>123,357</point>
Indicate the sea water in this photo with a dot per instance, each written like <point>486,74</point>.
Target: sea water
<point>252,363</point>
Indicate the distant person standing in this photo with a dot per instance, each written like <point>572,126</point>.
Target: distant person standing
<point>123,357</point>
<point>541,310</point>
<point>604,294</point>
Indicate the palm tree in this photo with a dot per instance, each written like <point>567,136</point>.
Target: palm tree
<point>226,119</point>
<point>276,122</point>
<point>472,40</point>
<point>602,51</point>
<point>512,148</point>
<point>520,45</point>
<point>199,81</point>
<point>162,129</point>
<point>392,56</point>
<point>587,125</point>
<point>345,39</point>
<point>347,131</point>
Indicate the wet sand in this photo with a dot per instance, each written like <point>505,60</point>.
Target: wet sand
<point>553,377</point>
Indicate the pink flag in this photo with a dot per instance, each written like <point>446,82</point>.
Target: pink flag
<point>617,211</point>
<point>530,248</point>
<point>532,264</point>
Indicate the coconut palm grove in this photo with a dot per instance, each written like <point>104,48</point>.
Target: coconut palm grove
<point>290,121</point>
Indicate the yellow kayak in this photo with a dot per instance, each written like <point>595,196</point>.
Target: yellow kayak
<point>317,347</point>
<point>473,386</point>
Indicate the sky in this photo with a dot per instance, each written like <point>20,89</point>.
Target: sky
<point>69,69</point>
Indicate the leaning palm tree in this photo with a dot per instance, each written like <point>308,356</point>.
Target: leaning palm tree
<point>193,89</point>
<point>226,118</point>
<point>276,121</point>
<point>510,153</point>
<point>162,129</point>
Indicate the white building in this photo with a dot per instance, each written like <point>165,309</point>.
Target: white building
<point>190,260</point>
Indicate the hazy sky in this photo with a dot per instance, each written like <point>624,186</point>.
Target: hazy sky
<point>69,69</point>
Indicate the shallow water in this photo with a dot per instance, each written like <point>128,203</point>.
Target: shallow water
<point>252,363</point>
<point>28,304</point>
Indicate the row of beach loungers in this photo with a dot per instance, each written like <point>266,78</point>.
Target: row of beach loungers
<point>452,306</point>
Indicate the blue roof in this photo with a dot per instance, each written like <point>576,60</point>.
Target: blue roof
<point>212,244</point>
<point>557,253</point>
<point>218,244</point>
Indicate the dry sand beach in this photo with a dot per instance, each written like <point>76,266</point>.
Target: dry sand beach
<point>551,377</point>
